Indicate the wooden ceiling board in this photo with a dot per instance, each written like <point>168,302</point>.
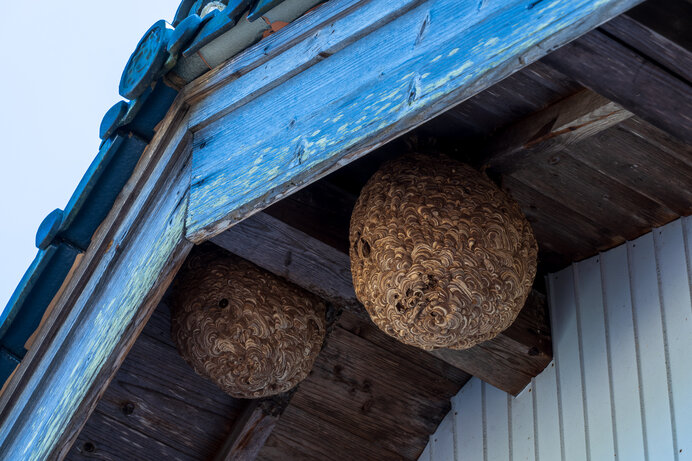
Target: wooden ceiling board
<point>376,395</point>
<point>519,95</point>
<point>639,165</point>
<point>584,190</point>
<point>158,396</point>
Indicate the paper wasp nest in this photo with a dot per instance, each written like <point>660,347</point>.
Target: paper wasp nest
<point>440,256</point>
<point>249,331</point>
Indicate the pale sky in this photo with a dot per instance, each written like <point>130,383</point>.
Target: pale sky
<point>60,69</point>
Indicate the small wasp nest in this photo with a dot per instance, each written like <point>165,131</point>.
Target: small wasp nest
<point>440,256</point>
<point>247,330</point>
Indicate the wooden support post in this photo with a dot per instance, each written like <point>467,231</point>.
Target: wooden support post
<point>631,78</point>
<point>567,122</point>
<point>252,429</point>
<point>507,362</point>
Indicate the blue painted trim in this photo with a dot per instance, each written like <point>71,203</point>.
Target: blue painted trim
<point>112,119</point>
<point>30,299</point>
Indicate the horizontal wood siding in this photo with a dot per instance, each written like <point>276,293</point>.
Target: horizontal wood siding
<point>619,385</point>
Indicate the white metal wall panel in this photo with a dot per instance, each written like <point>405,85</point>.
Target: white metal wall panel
<point>620,387</point>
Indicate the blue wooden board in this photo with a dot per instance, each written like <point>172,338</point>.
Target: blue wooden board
<point>440,53</point>
<point>30,299</point>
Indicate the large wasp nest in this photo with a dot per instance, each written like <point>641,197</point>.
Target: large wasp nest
<point>247,330</point>
<point>440,256</point>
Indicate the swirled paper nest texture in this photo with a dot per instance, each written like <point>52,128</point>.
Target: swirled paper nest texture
<point>247,330</point>
<point>440,256</point>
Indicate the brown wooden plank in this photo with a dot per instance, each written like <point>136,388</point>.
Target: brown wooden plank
<point>250,432</point>
<point>670,18</point>
<point>156,394</point>
<point>550,130</point>
<point>531,327</point>
<point>659,139</point>
<point>319,268</point>
<point>517,96</point>
<point>664,52</point>
<point>619,209</point>
<point>558,228</point>
<point>107,439</point>
<point>301,436</point>
<point>639,165</point>
<point>375,394</point>
<point>366,329</point>
<point>628,78</point>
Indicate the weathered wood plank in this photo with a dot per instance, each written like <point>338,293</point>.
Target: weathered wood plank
<point>549,131</point>
<point>156,394</point>
<point>107,439</point>
<point>249,433</point>
<point>406,75</point>
<point>623,211</point>
<point>507,362</point>
<point>374,394</point>
<point>654,46</point>
<point>128,266</point>
<point>641,166</point>
<point>300,436</point>
<point>630,79</point>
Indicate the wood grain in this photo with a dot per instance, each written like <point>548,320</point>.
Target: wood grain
<point>383,406</point>
<point>629,78</point>
<point>567,122</point>
<point>138,250</point>
<point>236,172</point>
<point>158,396</point>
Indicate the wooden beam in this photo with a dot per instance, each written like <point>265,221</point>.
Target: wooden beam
<point>402,70</point>
<point>128,266</point>
<point>630,78</point>
<point>565,123</point>
<point>252,429</point>
<point>507,362</point>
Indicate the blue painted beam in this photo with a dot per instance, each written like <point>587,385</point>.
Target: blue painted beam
<point>396,77</point>
<point>28,303</point>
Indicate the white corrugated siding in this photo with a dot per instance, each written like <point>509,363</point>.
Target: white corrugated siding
<point>620,385</point>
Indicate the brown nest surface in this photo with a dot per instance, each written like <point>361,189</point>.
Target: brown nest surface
<point>440,256</point>
<point>249,331</point>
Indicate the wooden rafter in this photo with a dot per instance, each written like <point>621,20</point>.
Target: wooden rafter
<point>251,430</point>
<point>609,61</point>
<point>413,67</point>
<point>551,130</point>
